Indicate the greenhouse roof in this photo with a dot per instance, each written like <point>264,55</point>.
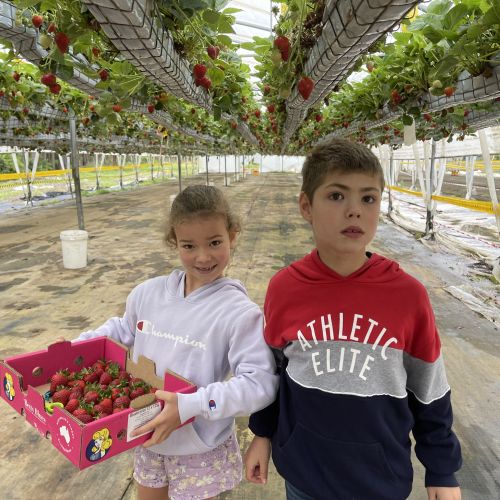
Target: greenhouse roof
<point>247,75</point>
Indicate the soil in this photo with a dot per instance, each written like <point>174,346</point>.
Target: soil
<point>40,301</point>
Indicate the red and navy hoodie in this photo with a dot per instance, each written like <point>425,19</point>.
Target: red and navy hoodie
<point>361,369</point>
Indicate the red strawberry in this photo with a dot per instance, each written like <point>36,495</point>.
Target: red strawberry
<point>55,89</point>
<point>103,75</point>
<point>62,41</point>
<point>213,51</point>
<point>204,82</point>
<point>37,21</point>
<point>266,89</point>
<point>107,403</point>
<point>76,393</point>
<point>52,28</point>
<point>83,416</point>
<point>257,113</point>
<point>101,411</point>
<point>271,108</point>
<point>395,96</point>
<point>199,71</point>
<point>318,118</point>
<point>96,51</point>
<point>61,396</point>
<point>282,43</point>
<point>305,87</point>
<point>59,378</point>
<point>138,391</point>
<point>123,375</point>
<point>116,108</point>
<point>91,397</point>
<point>151,108</point>
<point>91,377</point>
<point>48,79</point>
<point>77,383</point>
<point>121,402</point>
<point>105,379</point>
<point>449,91</point>
<point>285,54</point>
<point>427,117</point>
<point>72,405</point>
<point>116,392</point>
<point>16,76</point>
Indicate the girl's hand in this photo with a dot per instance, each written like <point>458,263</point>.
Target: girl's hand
<point>443,493</point>
<point>163,424</point>
<point>257,460</point>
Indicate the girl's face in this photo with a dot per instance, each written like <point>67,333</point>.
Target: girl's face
<point>204,246</point>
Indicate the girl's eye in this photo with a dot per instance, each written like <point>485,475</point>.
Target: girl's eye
<point>187,246</point>
<point>369,199</point>
<point>215,243</point>
<point>336,196</point>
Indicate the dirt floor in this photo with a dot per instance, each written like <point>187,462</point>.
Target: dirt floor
<point>40,300</point>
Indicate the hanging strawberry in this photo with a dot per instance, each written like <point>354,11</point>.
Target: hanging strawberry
<point>62,41</point>
<point>305,87</point>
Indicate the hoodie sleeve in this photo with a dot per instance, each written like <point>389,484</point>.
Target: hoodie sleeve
<point>437,447</point>
<point>253,384</point>
<point>120,329</point>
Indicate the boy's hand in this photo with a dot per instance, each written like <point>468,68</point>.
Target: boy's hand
<point>443,493</point>
<point>257,460</point>
<point>163,424</point>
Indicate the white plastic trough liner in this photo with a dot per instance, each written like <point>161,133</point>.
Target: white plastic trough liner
<point>468,89</point>
<point>26,41</point>
<point>132,27</point>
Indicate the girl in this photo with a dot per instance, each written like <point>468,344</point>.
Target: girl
<point>203,326</point>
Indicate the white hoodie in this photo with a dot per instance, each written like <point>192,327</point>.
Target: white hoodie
<point>212,333</point>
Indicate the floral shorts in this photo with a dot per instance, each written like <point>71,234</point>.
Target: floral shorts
<point>191,477</point>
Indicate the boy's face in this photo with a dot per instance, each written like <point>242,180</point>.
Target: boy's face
<point>344,213</point>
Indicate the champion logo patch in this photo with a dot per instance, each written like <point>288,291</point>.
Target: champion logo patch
<point>212,405</point>
<point>140,325</point>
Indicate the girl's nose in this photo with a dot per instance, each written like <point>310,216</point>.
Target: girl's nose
<point>353,212</point>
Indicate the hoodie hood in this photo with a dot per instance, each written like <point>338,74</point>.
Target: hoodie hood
<point>176,282</point>
<point>311,269</point>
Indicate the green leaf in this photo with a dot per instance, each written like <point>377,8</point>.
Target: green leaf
<point>445,66</point>
<point>216,75</point>
<point>231,10</point>
<point>217,113</point>
<point>455,16</point>
<point>211,17</point>
<point>432,34</point>
<point>224,40</point>
<point>407,120</point>
<point>225,26</point>
<point>65,72</point>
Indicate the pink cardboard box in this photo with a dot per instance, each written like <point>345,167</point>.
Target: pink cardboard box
<point>25,379</point>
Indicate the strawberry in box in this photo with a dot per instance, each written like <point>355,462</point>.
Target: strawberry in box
<point>42,384</point>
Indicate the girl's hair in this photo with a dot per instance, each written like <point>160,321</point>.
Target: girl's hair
<point>337,155</point>
<point>199,201</point>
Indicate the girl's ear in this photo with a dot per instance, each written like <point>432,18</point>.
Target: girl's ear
<point>305,207</point>
<point>233,236</point>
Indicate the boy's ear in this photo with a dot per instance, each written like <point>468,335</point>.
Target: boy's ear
<point>305,207</point>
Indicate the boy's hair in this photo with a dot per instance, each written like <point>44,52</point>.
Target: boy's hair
<point>337,155</point>
<point>199,201</point>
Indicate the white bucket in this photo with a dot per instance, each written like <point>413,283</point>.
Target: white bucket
<point>74,248</point>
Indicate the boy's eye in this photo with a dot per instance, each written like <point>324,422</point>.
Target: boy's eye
<point>369,199</point>
<point>215,243</point>
<point>187,246</point>
<point>336,196</point>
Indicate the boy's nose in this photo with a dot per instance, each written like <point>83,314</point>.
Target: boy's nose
<point>353,212</point>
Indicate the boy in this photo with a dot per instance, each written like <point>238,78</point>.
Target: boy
<point>361,363</point>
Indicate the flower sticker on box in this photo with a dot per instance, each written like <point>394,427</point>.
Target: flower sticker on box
<point>8,387</point>
<point>98,447</point>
